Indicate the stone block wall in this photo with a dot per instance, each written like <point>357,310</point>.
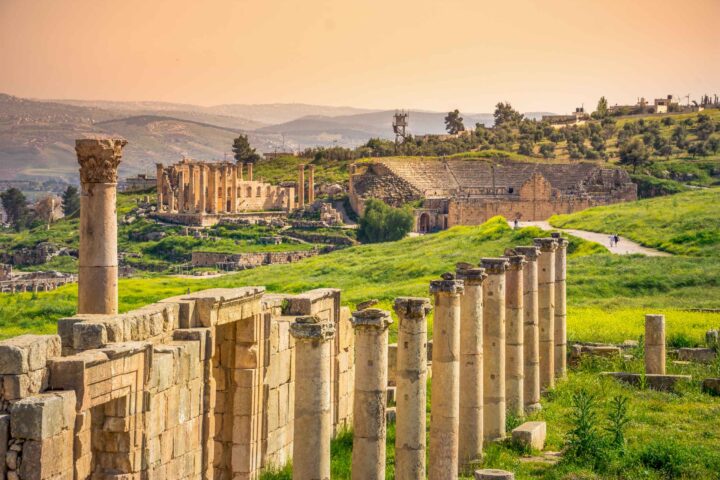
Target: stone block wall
<point>199,386</point>
<point>249,260</point>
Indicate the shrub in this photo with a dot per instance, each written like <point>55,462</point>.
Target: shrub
<point>585,444</point>
<point>383,223</point>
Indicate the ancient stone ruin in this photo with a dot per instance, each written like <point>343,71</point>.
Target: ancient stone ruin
<point>469,192</point>
<point>204,193</point>
<point>224,383</point>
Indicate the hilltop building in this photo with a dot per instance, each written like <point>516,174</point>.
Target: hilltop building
<point>469,192</point>
<point>578,117</point>
<point>138,183</point>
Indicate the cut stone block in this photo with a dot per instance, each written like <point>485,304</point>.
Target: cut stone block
<point>42,416</point>
<point>701,355</point>
<point>531,434</point>
<point>27,352</point>
<point>711,386</point>
<point>578,351</point>
<point>655,381</point>
<point>391,391</point>
<point>493,474</point>
<point>89,335</point>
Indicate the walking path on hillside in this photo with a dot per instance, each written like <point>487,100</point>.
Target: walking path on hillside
<point>625,246</point>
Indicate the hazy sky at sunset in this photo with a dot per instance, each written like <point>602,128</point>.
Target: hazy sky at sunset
<point>549,55</point>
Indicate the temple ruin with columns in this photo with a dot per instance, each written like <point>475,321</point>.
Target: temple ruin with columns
<point>471,191</point>
<point>202,193</point>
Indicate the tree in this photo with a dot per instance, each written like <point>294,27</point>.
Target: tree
<point>506,115</point>
<point>71,202</point>
<point>602,109</point>
<point>634,153</point>
<point>526,148</point>
<point>383,223</point>
<point>679,137</point>
<point>16,207</point>
<point>243,152</point>
<point>454,122</point>
<point>547,150</point>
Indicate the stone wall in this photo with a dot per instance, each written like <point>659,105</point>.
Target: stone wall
<point>198,386</point>
<point>249,260</point>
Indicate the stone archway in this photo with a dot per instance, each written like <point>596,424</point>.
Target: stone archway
<point>424,223</point>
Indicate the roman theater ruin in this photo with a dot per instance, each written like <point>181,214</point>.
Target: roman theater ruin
<point>225,383</point>
<point>471,191</point>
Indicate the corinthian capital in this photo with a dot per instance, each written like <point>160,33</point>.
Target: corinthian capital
<point>99,159</point>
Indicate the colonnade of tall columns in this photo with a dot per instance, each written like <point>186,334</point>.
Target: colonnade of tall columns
<point>303,188</point>
<point>498,332</point>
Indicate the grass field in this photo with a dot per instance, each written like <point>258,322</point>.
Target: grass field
<point>686,224</point>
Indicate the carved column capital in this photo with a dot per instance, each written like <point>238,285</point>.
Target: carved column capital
<point>412,308</point>
<point>99,159</point>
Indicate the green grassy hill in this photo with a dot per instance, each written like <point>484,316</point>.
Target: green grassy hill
<point>685,224</point>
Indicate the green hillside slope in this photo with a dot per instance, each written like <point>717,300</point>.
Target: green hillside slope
<point>686,223</point>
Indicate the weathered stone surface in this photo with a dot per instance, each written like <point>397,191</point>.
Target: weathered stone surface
<point>493,474</point>
<point>531,434</point>
<point>27,352</point>
<point>89,335</point>
<point>701,355</point>
<point>577,351</point>
<point>42,416</point>
<point>711,386</point>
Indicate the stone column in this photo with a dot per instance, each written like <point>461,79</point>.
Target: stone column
<point>560,307</point>
<point>250,171</point>
<point>301,186</point>
<point>494,348</point>
<point>655,344</point>
<point>233,189</point>
<point>445,406</point>
<point>213,189</point>
<point>370,400</point>
<point>311,184</point>
<point>470,443</point>
<point>313,419</point>
<point>192,189</point>
<point>546,310</point>
<point>531,339</point>
<point>514,335</point>
<point>411,390</point>
<point>159,170</point>
<point>98,261</point>
<point>223,188</point>
<point>181,191</point>
<point>203,189</point>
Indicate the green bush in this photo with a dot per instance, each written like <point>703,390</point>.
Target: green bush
<point>383,223</point>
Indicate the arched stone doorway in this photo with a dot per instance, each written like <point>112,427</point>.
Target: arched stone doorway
<point>424,223</point>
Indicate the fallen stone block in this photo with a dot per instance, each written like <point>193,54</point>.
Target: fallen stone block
<point>700,355</point>
<point>660,382</point>
<point>493,474</point>
<point>712,338</point>
<point>711,386</point>
<point>531,434</point>
<point>578,351</point>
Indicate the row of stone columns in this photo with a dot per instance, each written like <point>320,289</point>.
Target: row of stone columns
<point>494,348</point>
<point>302,200</point>
<point>201,187</point>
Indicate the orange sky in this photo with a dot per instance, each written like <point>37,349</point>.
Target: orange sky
<point>549,55</point>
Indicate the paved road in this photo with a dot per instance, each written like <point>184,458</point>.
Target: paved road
<point>624,247</point>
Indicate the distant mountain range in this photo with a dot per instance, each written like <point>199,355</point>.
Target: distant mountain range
<point>37,137</point>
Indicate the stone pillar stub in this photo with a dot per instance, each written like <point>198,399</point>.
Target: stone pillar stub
<point>546,310</point>
<point>560,306</point>
<point>370,399</point>
<point>471,365</point>
<point>531,340</point>
<point>312,429</point>
<point>494,348</point>
<point>445,403</point>
<point>411,390</point>
<point>655,344</point>
<point>98,261</point>
<point>514,334</point>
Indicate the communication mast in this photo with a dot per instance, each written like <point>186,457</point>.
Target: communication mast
<point>400,123</point>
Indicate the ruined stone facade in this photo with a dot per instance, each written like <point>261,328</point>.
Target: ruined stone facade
<point>469,192</point>
<point>201,193</point>
<point>241,261</point>
<point>199,386</point>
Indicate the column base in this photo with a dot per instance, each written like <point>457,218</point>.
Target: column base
<point>533,407</point>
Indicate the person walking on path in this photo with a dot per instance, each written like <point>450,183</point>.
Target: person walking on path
<point>612,240</point>
<point>616,238</point>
